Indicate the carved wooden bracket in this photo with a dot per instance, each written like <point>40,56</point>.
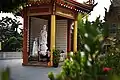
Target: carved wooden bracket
<point>90,2</point>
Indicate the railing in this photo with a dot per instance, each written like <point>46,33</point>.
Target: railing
<point>10,55</point>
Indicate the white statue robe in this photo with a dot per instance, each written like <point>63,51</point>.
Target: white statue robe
<point>35,48</point>
<point>43,42</point>
<point>43,37</point>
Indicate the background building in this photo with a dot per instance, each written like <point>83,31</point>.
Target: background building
<point>112,17</point>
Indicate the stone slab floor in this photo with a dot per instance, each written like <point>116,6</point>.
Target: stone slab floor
<point>19,72</point>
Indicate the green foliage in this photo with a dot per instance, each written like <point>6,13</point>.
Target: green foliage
<point>56,56</point>
<point>92,65</point>
<point>114,77</point>
<point>112,57</point>
<point>51,76</point>
<point>94,30</point>
<point>5,74</point>
<point>12,44</point>
<point>85,67</point>
<point>10,37</point>
<point>77,69</point>
<point>11,5</point>
<point>90,36</point>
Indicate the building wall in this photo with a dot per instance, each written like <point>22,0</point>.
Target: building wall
<point>113,20</point>
<point>116,3</point>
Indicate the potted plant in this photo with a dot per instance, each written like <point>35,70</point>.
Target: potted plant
<point>56,57</point>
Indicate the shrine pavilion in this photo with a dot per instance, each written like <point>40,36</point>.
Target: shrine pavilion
<point>60,17</point>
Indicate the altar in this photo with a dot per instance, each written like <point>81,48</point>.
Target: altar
<point>49,25</point>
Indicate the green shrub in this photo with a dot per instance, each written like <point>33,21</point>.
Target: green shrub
<point>5,74</point>
<point>112,56</point>
<point>56,57</point>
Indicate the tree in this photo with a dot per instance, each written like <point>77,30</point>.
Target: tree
<point>11,5</point>
<point>101,27</point>
<point>10,37</point>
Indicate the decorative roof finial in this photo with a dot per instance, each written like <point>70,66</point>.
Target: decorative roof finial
<point>90,2</point>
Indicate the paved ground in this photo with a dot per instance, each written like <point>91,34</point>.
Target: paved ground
<point>19,72</point>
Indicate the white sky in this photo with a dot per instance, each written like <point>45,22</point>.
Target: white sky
<point>98,10</point>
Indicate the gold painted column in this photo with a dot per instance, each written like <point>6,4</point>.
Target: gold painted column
<point>75,37</point>
<point>52,37</point>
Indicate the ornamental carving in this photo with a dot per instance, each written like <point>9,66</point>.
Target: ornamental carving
<point>39,1</point>
<point>64,12</point>
<point>90,2</point>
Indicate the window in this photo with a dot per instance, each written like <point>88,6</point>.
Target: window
<point>113,28</point>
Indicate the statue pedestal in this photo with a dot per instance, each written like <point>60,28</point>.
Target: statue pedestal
<point>44,57</point>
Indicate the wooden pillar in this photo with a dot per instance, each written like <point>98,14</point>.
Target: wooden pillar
<point>25,27</point>
<point>69,36</point>
<point>75,37</point>
<point>52,37</point>
<point>49,30</point>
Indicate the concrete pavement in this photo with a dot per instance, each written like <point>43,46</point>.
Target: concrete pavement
<point>19,72</point>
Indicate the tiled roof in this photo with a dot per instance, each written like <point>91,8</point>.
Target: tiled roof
<point>71,4</point>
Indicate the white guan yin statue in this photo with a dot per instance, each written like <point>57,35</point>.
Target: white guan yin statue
<point>43,41</point>
<point>35,48</point>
